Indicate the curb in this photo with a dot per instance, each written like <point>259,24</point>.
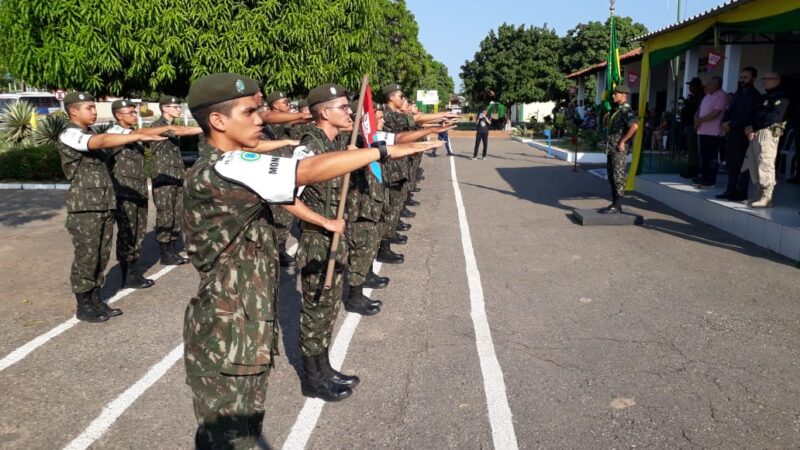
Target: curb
<point>35,186</point>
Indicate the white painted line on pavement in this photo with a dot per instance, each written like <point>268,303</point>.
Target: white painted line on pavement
<point>20,353</point>
<point>309,415</point>
<point>117,407</point>
<point>500,418</point>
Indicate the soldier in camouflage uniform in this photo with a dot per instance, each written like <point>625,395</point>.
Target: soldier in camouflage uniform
<point>621,128</point>
<point>168,184</point>
<point>90,203</point>
<point>230,328</point>
<point>299,129</point>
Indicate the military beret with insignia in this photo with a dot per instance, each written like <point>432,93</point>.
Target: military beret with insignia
<point>119,104</point>
<point>168,100</point>
<point>622,89</point>
<point>218,88</point>
<point>78,97</point>
<point>389,88</point>
<point>274,97</point>
<point>325,92</point>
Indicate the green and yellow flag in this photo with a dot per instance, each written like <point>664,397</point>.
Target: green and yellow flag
<point>613,76</point>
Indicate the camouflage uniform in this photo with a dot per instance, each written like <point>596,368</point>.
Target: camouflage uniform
<point>283,218</point>
<point>320,306</point>
<point>396,175</point>
<point>297,131</point>
<point>364,209</point>
<point>230,328</point>
<point>619,124</point>
<point>130,186</point>
<point>167,184</point>
<point>90,205</point>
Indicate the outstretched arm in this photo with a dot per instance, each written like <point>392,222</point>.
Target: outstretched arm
<point>268,146</point>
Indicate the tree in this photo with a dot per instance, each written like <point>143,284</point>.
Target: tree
<point>515,65</point>
<point>400,57</point>
<point>587,44</point>
<point>435,77</point>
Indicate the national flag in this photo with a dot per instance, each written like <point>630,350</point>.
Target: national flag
<point>369,126</point>
<point>613,75</point>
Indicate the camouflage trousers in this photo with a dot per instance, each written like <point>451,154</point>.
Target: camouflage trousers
<point>283,224</point>
<point>615,169</point>
<point>131,218</point>
<point>363,239</point>
<point>319,310</point>
<point>396,196</point>
<point>413,174</point>
<point>229,410</point>
<point>91,233</point>
<point>168,201</point>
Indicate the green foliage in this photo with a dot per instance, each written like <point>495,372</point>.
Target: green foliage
<point>15,122</point>
<point>590,138</point>
<point>515,64</point>
<point>435,77</point>
<point>31,162</point>
<point>48,128</point>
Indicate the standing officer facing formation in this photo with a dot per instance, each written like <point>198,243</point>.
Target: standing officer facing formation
<point>621,128</point>
<point>90,202</point>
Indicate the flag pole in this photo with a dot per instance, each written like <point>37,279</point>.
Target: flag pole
<point>345,187</point>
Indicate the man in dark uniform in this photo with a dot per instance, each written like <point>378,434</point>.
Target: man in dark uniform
<point>690,107</point>
<point>622,127</point>
<point>90,202</point>
<point>737,117</point>
<point>230,331</point>
<point>764,135</point>
<point>168,183</point>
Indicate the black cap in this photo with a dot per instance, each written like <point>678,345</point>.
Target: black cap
<point>218,88</point>
<point>695,81</point>
<point>168,100</point>
<point>274,96</point>
<point>326,92</point>
<point>389,88</point>
<point>119,104</point>
<point>78,97</point>
<point>622,89</point>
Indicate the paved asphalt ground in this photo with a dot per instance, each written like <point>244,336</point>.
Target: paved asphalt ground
<point>669,335</point>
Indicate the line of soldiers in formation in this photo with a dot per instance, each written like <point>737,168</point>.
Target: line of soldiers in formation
<point>260,166</point>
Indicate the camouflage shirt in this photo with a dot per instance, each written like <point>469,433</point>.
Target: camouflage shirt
<point>276,133</point>
<point>167,160</point>
<point>395,170</point>
<point>90,186</point>
<point>365,197</point>
<point>230,239</point>
<point>127,167</point>
<point>619,124</point>
<point>299,130</point>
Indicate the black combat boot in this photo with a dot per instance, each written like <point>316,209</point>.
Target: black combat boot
<point>412,202</point>
<point>86,310</point>
<point>398,239</point>
<point>416,189</point>
<point>316,384</point>
<point>387,256</point>
<point>133,276</point>
<point>173,245</point>
<point>407,213</point>
<point>339,378</point>
<point>614,208</point>
<point>402,226</point>
<point>103,306</point>
<point>359,303</point>
<point>374,281</point>
<point>168,255</point>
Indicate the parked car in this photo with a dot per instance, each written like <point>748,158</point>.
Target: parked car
<point>44,102</point>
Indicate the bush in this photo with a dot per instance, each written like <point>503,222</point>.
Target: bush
<point>31,162</point>
<point>48,129</point>
<point>590,137</point>
<point>15,122</point>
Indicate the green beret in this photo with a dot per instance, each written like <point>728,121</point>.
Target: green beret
<point>302,104</point>
<point>218,88</point>
<point>622,89</point>
<point>168,100</point>
<point>389,88</point>
<point>325,92</point>
<point>78,97</point>
<point>119,104</point>
<point>274,97</point>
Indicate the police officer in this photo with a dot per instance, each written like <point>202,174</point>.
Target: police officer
<point>768,126</point>
<point>230,329</point>
<point>168,183</point>
<point>622,127</point>
<point>90,202</point>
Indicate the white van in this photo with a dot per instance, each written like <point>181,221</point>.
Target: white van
<point>44,102</point>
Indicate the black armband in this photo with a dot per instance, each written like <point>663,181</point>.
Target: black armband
<point>384,152</point>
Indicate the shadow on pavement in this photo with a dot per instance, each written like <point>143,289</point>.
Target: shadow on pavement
<point>19,207</point>
<point>556,185</point>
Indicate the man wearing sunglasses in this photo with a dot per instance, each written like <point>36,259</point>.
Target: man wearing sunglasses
<point>168,183</point>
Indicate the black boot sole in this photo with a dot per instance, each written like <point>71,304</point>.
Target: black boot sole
<point>376,285</point>
<point>390,261</point>
<point>326,396</point>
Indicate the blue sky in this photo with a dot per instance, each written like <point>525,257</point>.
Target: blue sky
<point>451,30</point>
